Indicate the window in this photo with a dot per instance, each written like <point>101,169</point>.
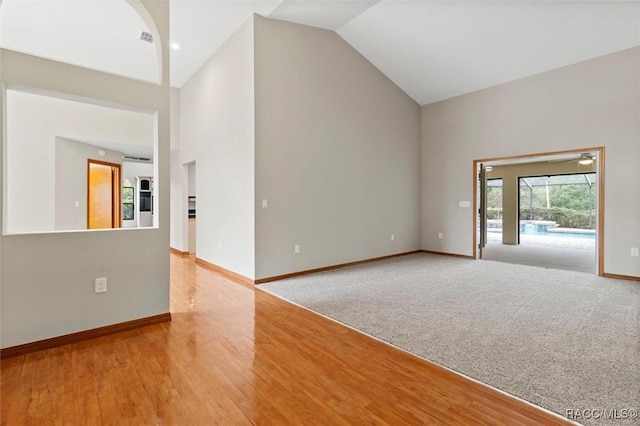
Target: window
<point>127,200</point>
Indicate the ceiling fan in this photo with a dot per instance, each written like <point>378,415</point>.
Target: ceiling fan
<point>585,159</point>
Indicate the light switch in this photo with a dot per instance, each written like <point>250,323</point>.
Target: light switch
<point>265,203</point>
<point>77,203</point>
<point>465,204</point>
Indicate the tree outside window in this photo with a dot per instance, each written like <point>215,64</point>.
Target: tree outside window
<point>127,200</point>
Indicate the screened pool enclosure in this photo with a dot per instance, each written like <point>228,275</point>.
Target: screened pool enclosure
<point>549,205</point>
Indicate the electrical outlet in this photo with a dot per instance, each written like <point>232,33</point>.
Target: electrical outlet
<point>100,285</point>
<point>296,249</point>
<point>635,251</point>
<point>393,237</point>
<point>440,235</point>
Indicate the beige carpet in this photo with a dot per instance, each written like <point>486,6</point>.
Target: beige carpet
<point>559,339</point>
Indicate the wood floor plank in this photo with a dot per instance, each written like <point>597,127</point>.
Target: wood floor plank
<point>235,355</point>
<point>16,407</point>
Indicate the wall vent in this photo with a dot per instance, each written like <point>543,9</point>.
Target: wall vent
<point>132,158</point>
<point>145,36</point>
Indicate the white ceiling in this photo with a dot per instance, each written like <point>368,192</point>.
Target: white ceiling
<point>202,26</point>
<point>98,34</point>
<point>328,14</point>
<point>437,50</point>
<point>433,50</point>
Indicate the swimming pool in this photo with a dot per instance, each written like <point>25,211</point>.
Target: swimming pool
<point>560,234</point>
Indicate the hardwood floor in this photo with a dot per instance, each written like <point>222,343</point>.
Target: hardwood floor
<point>237,356</point>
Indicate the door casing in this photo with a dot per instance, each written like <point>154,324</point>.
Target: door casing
<point>600,156</point>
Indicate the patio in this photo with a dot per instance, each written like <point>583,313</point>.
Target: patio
<point>545,250</point>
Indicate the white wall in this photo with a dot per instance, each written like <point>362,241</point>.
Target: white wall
<point>217,131</point>
<point>178,194</point>
<point>70,196</point>
<point>337,153</point>
<point>589,104</point>
<point>33,123</point>
<point>178,204</point>
<point>47,279</point>
<point>192,179</point>
<point>131,169</point>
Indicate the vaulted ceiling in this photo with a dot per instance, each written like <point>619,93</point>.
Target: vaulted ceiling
<point>97,34</point>
<point>433,50</point>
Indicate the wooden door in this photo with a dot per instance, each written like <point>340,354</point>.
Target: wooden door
<point>103,195</point>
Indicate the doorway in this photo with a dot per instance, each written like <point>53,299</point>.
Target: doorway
<point>191,201</point>
<point>103,195</point>
<point>541,209</point>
